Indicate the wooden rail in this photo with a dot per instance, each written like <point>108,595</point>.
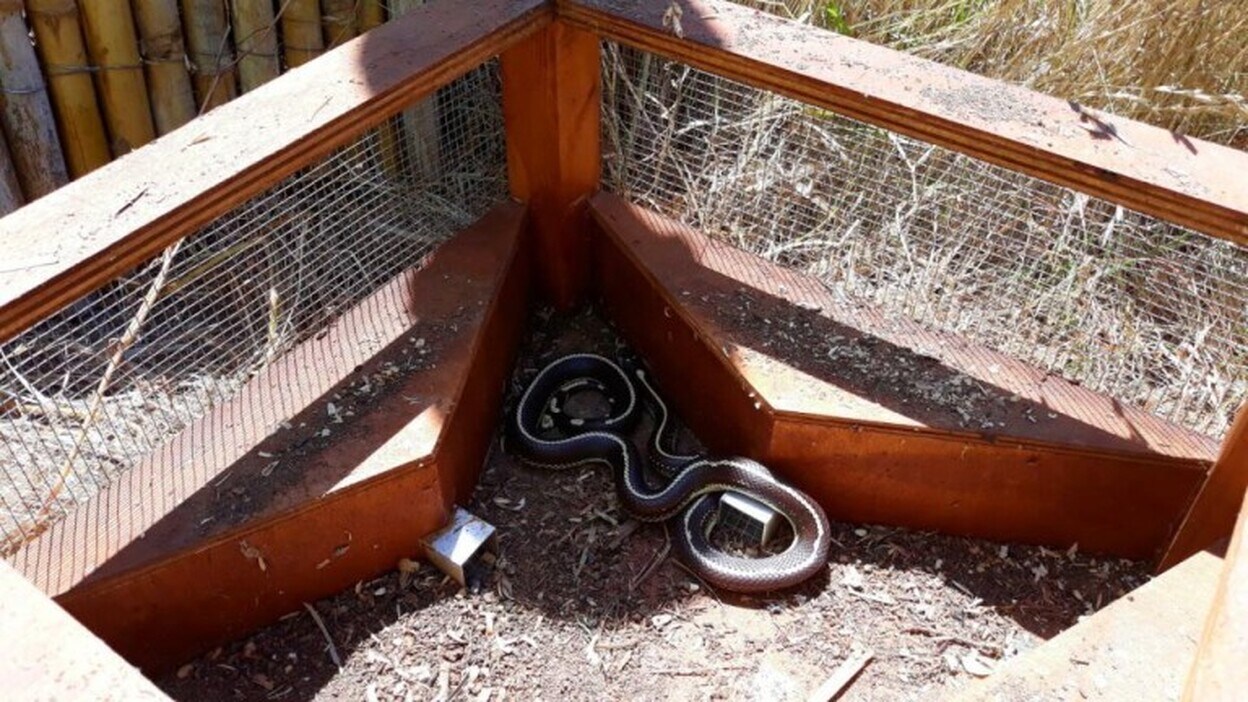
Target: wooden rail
<point>87,233</point>
<point>1220,672</point>
<point>1183,180</point>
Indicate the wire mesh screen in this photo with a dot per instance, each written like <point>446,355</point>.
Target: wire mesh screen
<point>1121,302</point>
<point>86,393</point>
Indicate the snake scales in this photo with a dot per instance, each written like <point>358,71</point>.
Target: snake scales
<point>694,482</point>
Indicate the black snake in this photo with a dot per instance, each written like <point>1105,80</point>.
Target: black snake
<point>694,481</point>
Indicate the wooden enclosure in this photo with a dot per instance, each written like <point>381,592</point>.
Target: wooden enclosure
<point>1113,480</point>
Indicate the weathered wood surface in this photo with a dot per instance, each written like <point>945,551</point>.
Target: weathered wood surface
<point>1220,671</point>
<point>49,656</point>
<point>209,539</point>
<point>1188,181</point>
<point>552,92</point>
<point>103,225</point>
<point>1138,648</point>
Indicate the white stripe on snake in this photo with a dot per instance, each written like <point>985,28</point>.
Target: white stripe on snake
<point>694,481</point>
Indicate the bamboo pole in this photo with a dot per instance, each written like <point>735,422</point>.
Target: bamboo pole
<point>255,34</point>
<point>341,23</point>
<point>211,52</point>
<point>372,14</point>
<point>10,191</point>
<point>301,31</point>
<point>114,50</point>
<point>420,122</point>
<point>58,41</point>
<point>164,54</point>
<point>25,110</point>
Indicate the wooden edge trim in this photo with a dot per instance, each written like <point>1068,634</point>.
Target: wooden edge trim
<point>49,655</point>
<point>160,613</point>
<point>1184,180</point>
<point>1107,500</point>
<point>1219,673</point>
<point>87,233</point>
<point>1213,513</point>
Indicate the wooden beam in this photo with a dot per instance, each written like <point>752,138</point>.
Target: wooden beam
<point>49,656</point>
<point>1220,671</point>
<point>1184,180</point>
<point>1213,513</point>
<point>209,539</point>
<point>552,103</point>
<point>1138,647</point>
<point>103,225</point>
<point>879,419</point>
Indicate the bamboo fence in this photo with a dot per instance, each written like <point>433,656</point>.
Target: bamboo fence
<point>63,53</point>
<point>85,81</point>
<point>10,192</point>
<point>164,57</point>
<point>114,52</point>
<point>25,111</point>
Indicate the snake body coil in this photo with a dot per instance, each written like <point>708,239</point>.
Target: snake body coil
<point>694,481</point>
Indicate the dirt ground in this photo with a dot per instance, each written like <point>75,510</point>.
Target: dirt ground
<point>574,609</point>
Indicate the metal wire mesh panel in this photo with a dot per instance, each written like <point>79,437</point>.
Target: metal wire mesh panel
<point>1124,303</point>
<point>88,392</point>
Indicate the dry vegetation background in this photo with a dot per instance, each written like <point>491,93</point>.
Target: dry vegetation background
<point>1129,305</point>
<point>1179,64</point>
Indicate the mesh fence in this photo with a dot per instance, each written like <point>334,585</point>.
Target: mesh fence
<point>1121,302</point>
<point>89,391</point>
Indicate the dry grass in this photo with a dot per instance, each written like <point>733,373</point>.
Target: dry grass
<point>1127,304</point>
<point>1179,64</point>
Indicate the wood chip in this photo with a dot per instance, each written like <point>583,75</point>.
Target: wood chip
<point>842,676</point>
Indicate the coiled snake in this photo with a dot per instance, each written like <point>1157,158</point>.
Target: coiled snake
<point>694,481</point>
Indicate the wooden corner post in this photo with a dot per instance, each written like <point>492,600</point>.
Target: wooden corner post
<point>552,92</point>
<point>1213,513</point>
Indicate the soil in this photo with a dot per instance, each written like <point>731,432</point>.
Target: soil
<point>583,604</point>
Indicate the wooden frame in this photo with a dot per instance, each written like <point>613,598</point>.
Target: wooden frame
<point>114,219</point>
<point>110,221</point>
<point>1187,181</point>
<point>1111,479</point>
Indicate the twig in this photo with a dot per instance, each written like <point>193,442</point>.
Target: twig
<point>653,565</point>
<point>320,623</point>
<point>842,676</point>
<point>127,340</point>
<point>694,671</point>
<point>941,638</point>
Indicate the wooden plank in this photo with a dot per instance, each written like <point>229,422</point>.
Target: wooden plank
<point>1137,648</point>
<point>49,656</point>
<point>106,224</point>
<point>100,538</point>
<point>1215,510</point>
<point>552,97</point>
<point>877,418</point>
<point>220,562</point>
<point>1220,671</point>
<point>1188,181</point>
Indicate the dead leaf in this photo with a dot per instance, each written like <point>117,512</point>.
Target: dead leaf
<point>976,665</point>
